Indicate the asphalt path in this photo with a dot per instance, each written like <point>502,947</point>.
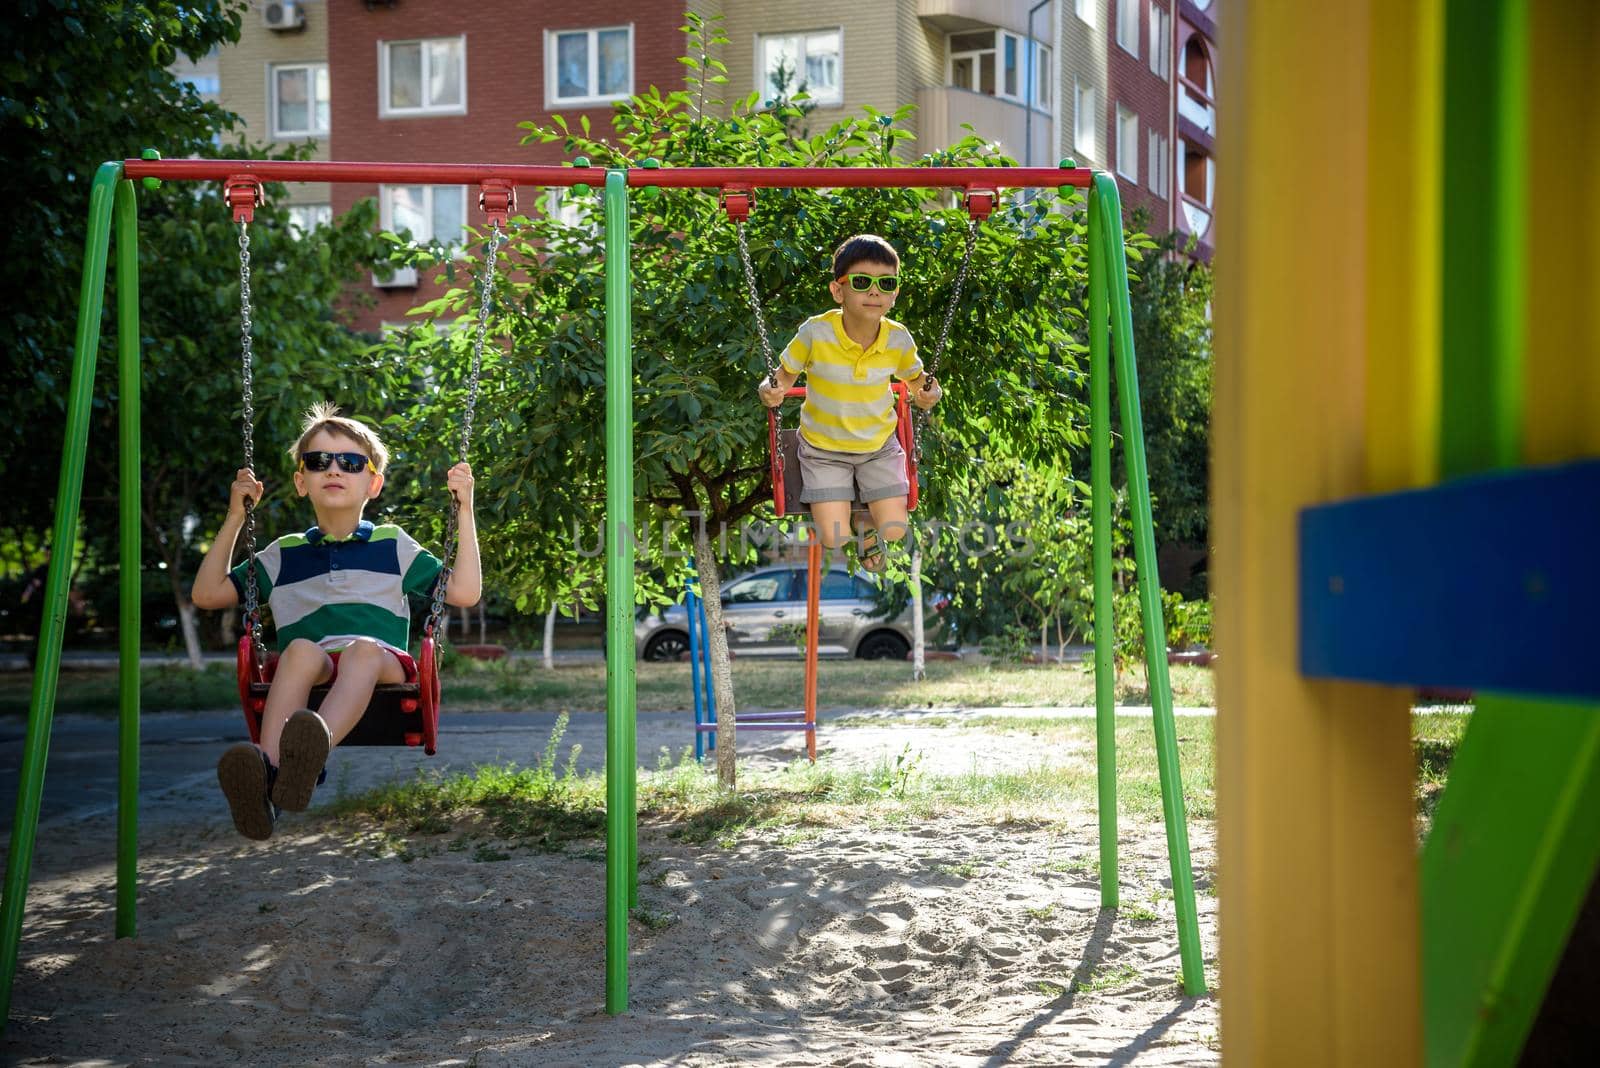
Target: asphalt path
<point>178,755</point>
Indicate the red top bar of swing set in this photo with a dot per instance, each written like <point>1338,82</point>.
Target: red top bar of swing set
<point>523,174</point>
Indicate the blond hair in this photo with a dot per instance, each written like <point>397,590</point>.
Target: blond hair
<point>324,416</point>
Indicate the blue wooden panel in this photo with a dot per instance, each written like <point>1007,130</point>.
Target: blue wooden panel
<point>1488,583</point>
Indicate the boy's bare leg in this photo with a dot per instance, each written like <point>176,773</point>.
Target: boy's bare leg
<point>889,518</point>
<point>833,522</point>
<point>362,666</point>
<point>302,665</point>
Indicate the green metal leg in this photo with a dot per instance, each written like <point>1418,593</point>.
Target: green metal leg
<point>127,221</point>
<point>1103,198</point>
<point>1514,846</point>
<point>1105,682</point>
<point>69,492</point>
<point>621,762</point>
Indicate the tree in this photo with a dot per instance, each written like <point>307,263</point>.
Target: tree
<point>1172,339</point>
<point>81,82</point>
<point>700,432</point>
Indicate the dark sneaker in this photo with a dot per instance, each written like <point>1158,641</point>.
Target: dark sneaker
<point>302,752</point>
<point>243,773</point>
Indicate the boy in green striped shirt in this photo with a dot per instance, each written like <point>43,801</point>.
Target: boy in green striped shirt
<point>848,447</point>
<point>338,595</point>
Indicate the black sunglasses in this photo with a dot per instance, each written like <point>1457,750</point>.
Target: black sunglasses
<point>349,462</point>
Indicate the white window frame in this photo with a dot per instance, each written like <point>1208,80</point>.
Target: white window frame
<point>1160,166</point>
<point>552,78</point>
<point>1127,139</point>
<point>998,50</point>
<point>385,111</point>
<point>1160,41</point>
<point>321,215</point>
<point>310,67</point>
<point>1087,11</point>
<point>1037,58</point>
<point>828,100</point>
<point>1128,19</point>
<point>386,213</point>
<point>1087,146</point>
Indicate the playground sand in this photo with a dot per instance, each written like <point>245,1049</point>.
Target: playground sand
<point>953,941</point>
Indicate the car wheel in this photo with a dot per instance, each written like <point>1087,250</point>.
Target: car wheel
<point>667,645</point>
<point>883,645</point>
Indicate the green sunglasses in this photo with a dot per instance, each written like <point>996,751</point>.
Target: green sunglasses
<point>863,283</point>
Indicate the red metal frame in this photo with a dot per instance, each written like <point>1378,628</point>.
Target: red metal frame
<point>976,179</point>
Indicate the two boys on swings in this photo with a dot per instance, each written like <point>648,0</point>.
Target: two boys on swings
<point>848,447</point>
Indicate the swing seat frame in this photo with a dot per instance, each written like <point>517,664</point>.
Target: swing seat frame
<point>784,456</point>
<point>398,714</point>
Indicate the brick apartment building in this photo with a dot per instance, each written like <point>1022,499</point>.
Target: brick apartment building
<point>443,81</point>
<point>1126,85</point>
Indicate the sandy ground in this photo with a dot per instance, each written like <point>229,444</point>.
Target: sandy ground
<point>950,942</point>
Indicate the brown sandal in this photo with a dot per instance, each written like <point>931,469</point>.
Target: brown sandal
<point>302,752</point>
<point>243,774</point>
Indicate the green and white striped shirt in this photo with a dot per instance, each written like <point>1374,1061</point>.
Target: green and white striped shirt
<point>332,592</point>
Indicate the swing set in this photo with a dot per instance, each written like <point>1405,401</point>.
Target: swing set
<point>113,205</point>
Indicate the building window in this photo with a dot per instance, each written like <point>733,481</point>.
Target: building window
<point>299,99</point>
<point>588,66</point>
<point>997,63</point>
<point>1127,143</point>
<point>812,63</point>
<point>1159,166</point>
<point>1086,11</point>
<point>423,77</point>
<point>430,213</point>
<point>1084,128</point>
<point>1160,40</point>
<point>304,218</point>
<point>1128,25</point>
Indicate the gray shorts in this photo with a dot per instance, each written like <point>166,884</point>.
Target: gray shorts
<point>853,476</point>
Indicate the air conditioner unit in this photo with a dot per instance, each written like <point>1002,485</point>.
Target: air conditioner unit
<point>283,15</point>
<point>399,278</point>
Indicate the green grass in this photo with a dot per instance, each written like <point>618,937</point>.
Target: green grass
<point>524,685</point>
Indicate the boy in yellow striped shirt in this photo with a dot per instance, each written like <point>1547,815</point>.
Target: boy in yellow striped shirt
<point>850,355</point>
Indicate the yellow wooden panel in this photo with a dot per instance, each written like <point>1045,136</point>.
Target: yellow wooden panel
<point>1563,298</point>
<point>1319,925</point>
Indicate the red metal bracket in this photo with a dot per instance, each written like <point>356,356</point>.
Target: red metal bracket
<point>497,199</point>
<point>737,200</point>
<point>242,192</point>
<point>981,202</point>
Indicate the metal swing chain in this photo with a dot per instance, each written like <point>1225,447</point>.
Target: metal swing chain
<point>918,415</point>
<point>474,377</point>
<point>252,594</point>
<point>761,324</point>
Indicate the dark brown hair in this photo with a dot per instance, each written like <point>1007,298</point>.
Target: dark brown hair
<point>863,248</point>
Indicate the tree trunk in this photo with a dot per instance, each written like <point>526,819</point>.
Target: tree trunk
<point>919,669</point>
<point>1044,637</point>
<point>230,629</point>
<point>550,639</point>
<point>483,623</point>
<point>721,667</point>
<point>186,619</point>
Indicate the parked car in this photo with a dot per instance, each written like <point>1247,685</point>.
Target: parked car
<point>754,605</point>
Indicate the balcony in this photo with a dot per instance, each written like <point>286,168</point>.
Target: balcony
<point>956,16</point>
<point>942,109</point>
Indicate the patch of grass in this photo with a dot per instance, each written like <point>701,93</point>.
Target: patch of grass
<point>1040,913</point>
<point>488,854</point>
<point>1049,989</point>
<point>654,919</point>
<point>1138,913</point>
<point>1435,735</point>
<point>1111,977</point>
<point>967,869</point>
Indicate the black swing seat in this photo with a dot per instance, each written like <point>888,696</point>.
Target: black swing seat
<point>398,714</point>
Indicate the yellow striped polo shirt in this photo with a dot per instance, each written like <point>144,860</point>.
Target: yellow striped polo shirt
<point>849,406</point>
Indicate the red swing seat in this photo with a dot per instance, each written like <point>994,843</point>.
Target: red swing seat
<point>784,449</point>
<point>399,714</point>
